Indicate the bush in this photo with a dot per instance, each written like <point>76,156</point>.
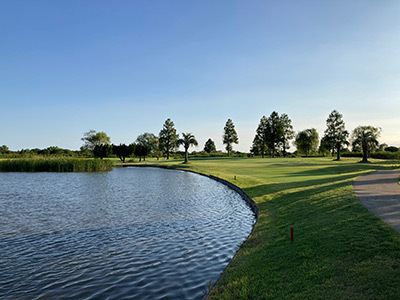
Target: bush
<point>385,155</point>
<point>55,165</point>
<point>391,149</point>
<point>351,154</point>
<point>377,154</point>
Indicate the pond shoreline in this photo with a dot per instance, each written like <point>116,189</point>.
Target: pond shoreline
<point>230,185</point>
<point>205,235</point>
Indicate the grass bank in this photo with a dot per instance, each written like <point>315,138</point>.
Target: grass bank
<point>340,249</point>
<point>55,165</point>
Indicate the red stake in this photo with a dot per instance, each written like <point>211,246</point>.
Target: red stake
<point>291,234</point>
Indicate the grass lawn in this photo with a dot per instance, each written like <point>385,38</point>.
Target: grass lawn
<point>340,249</point>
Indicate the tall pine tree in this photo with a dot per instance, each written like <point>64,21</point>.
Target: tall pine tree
<point>209,146</point>
<point>230,136</point>
<point>260,140</point>
<point>288,132</point>
<point>274,132</point>
<point>168,137</point>
<point>335,134</point>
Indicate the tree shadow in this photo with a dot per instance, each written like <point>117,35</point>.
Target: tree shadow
<point>341,169</point>
<point>271,188</point>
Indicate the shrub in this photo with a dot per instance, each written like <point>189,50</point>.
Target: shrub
<point>55,165</point>
<point>385,155</point>
<point>392,149</point>
<point>377,154</point>
<point>352,154</point>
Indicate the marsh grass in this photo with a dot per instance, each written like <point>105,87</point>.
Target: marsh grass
<point>55,165</point>
<point>340,249</point>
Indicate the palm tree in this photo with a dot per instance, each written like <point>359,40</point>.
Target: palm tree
<point>367,138</point>
<point>187,140</point>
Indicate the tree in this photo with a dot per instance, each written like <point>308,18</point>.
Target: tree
<point>261,138</point>
<point>230,136</point>
<point>122,151</point>
<point>4,149</point>
<point>148,140</point>
<point>93,139</point>
<point>168,137</point>
<point>365,137</point>
<point>141,151</point>
<point>381,147</point>
<point>158,154</point>
<point>146,143</point>
<point>324,146</point>
<point>288,132</point>
<point>102,150</point>
<point>391,149</point>
<point>186,141</point>
<point>307,141</point>
<point>209,146</point>
<point>258,147</point>
<point>274,132</point>
<point>335,134</point>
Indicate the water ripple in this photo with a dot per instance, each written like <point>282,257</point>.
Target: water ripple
<point>126,234</point>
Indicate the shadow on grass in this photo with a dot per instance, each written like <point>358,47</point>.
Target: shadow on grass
<point>341,168</point>
<point>216,158</point>
<point>338,243</point>
<point>271,188</point>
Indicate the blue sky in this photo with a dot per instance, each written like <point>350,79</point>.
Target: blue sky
<point>124,67</point>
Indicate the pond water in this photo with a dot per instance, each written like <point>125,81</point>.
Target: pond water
<point>132,233</point>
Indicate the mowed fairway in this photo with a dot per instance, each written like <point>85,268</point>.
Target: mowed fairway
<point>340,249</point>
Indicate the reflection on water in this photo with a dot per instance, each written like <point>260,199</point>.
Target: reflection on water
<point>132,233</point>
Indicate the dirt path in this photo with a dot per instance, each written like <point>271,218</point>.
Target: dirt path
<point>380,193</point>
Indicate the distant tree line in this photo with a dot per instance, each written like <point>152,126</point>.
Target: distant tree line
<point>272,138</point>
<point>148,144</point>
<point>274,133</point>
<point>336,138</point>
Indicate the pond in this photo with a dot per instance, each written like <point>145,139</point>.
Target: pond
<point>132,233</point>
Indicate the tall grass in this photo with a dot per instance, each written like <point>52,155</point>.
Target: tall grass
<point>55,165</point>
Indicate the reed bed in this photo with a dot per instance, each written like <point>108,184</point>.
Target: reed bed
<point>55,165</point>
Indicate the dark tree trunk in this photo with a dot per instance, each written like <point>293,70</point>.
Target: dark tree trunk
<point>338,151</point>
<point>365,156</point>
<point>365,152</point>
<point>167,155</point>
<point>273,150</point>
<point>186,155</point>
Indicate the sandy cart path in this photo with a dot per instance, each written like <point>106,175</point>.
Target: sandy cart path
<point>380,193</point>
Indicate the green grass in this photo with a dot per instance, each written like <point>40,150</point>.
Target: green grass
<point>340,250</point>
<point>55,165</point>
